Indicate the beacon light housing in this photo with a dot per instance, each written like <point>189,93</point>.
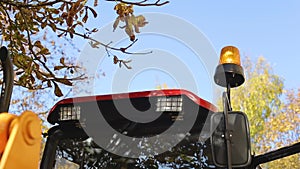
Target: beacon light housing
<point>229,71</point>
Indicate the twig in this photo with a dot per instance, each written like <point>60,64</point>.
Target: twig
<point>41,4</point>
<point>124,49</point>
<point>124,62</point>
<point>141,3</point>
<point>108,52</point>
<point>80,77</point>
<point>106,45</point>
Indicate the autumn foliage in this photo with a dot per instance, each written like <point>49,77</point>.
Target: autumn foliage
<point>274,122</point>
<point>27,25</point>
<point>23,23</point>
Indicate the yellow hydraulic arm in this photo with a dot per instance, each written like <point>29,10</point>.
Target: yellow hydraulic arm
<point>20,141</point>
<point>20,136</point>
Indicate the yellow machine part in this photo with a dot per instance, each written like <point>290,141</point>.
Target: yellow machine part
<point>20,141</point>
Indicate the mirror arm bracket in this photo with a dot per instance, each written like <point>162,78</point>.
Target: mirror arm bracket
<point>229,108</point>
<point>227,134</point>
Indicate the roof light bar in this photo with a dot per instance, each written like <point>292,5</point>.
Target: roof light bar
<point>169,100</point>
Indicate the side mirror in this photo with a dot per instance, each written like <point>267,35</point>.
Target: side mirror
<point>239,135</point>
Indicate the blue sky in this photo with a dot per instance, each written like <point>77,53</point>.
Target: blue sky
<point>258,28</point>
<point>267,28</point>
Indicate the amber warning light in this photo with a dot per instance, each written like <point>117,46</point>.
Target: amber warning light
<point>229,72</point>
<point>230,54</point>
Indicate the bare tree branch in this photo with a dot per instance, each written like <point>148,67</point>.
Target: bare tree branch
<point>41,4</point>
<point>141,3</point>
<point>107,46</point>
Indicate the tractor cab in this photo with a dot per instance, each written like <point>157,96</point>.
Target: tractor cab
<point>180,117</point>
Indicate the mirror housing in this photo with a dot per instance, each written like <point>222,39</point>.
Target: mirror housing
<point>239,135</point>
